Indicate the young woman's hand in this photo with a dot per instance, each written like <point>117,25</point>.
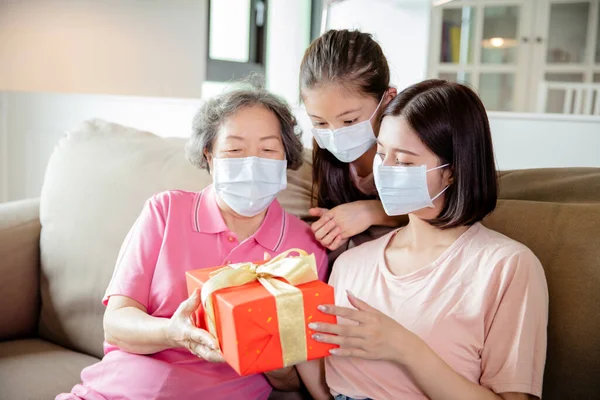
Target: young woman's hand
<point>181,332</point>
<point>334,227</point>
<point>375,337</point>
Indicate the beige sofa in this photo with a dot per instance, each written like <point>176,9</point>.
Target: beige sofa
<point>57,255</point>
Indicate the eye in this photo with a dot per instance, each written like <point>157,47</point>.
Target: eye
<point>269,150</point>
<point>403,164</point>
<point>350,121</point>
<point>319,123</point>
<point>381,155</point>
<point>233,150</point>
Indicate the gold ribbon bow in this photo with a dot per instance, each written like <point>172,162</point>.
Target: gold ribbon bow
<point>288,299</point>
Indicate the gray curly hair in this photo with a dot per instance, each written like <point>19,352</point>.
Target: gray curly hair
<point>213,113</point>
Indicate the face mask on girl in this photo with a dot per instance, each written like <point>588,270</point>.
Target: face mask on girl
<point>249,185</point>
<point>350,142</point>
<point>403,190</point>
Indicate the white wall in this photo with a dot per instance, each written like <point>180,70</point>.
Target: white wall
<point>524,141</point>
<point>130,47</point>
<point>35,122</point>
<point>288,37</point>
<point>401,27</point>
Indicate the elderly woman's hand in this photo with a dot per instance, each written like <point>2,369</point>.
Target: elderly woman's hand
<point>181,332</point>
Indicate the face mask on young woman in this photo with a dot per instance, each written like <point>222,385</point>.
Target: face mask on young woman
<point>403,190</point>
<point>249,185</point>
<point>350,142</point>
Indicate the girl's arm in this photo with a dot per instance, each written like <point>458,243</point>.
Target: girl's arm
<point>337,225</point>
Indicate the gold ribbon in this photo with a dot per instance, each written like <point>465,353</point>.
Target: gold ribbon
<point>288,299</point>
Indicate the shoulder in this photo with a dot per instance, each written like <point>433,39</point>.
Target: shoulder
<point>173,199</point>
<point>359,260</point>
<point>169,205</point>
<point>506,256</point>
<point>370,250</point>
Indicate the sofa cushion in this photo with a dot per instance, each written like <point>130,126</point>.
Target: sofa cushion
<point>566,238</point>
<point>560,185</point>
<point>19,268</point>
<point>34,369</point>
<point>96,183</point>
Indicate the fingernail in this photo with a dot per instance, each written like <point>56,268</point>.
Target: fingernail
<point>312,325</point>
<point>322,308</point>
<point>350,293</point>
<point>316,336</point>
<point>333,351</point>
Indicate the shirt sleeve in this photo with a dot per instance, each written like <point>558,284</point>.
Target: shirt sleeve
<point>322,264</point>
<point>136,262</point>
<point>514,351</point>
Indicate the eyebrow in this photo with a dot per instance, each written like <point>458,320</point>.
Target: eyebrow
<point>271,137</point>
<point>338,116</point>
<point>261,139</point>
<point>399,150</point>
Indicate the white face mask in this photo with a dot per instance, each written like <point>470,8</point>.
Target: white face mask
<point>350,142</point>
<point>249,185</point>
<point>403,190</point>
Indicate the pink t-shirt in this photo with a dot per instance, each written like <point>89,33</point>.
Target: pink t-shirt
<point>179,231</point>
<point>482,306</point>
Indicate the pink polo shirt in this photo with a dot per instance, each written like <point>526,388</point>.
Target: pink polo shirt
<point>179,231</point>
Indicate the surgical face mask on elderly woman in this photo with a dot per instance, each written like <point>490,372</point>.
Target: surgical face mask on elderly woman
<point>248,162</point>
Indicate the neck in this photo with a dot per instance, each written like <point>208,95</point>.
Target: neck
<point>243,227</point>
<point>420,235</point>
<point>364,163</point>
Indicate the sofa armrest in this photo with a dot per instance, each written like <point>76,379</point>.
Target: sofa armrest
<point>19,268</point>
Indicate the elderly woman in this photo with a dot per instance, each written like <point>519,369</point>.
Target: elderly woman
<point>247,140</point>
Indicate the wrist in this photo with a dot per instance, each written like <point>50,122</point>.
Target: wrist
<point>377,215</point>
<point>408,352</point>
<point>167,334</point>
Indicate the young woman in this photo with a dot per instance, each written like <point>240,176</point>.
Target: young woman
<point>345,86</point>
<point>152,350</point>
<point>443,308</point>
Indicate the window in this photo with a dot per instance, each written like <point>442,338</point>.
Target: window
<point>236,39</point>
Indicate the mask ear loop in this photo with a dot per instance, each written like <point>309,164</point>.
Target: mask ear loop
<point>443,190</point>
<point>378,105</point>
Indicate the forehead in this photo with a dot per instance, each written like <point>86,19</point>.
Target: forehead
<point>253,120</point>
<point>396,132</point>
<point>332,100</point>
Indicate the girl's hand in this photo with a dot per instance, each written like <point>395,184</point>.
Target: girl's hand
<point>376,337</point>
<point>334,227</point>
<point>181,332</point>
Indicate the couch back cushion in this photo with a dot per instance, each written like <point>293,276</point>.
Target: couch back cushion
<point>96,183</point>
<point>566,239</point>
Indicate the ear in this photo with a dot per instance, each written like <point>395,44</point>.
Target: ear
<point>448,176</point>
<point>389,96</point>
<point>209,160</point>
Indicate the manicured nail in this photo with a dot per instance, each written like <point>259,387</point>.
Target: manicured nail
<point>333,351</point>
<point>350,293</point>
<point>316,336</point>
<point>322,308</point>
<point>312,325</point>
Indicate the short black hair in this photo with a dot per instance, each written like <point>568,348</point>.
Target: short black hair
<point>451,121</point>
<point>214,113</point>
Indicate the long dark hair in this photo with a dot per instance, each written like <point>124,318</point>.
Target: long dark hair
<point>451,121</point>
<point>354,61</point>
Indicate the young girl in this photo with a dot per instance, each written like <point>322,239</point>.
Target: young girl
<point>345,86</point>
<point>448,309</point>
